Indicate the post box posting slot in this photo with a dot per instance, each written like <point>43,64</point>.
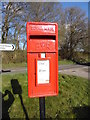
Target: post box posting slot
<point>42,59</point>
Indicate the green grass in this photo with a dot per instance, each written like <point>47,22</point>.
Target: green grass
<point>65,62</point>
<point>14,65</point>
<point>24,64</point>
<point>73,96</point>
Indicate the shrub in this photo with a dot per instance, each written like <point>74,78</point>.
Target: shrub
<point>17,56</point>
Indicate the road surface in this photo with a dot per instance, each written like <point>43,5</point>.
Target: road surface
<point>77,70</point>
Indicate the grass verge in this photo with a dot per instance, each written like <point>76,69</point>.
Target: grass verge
<point>71,102</point>
<point>65,62</point>
<point>23,64</point>
<point>14,65</point>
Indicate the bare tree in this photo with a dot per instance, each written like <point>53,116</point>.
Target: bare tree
<point>45,12</point>
<point>9,13</point>
<point>76,30</point>
<point>15,16</point>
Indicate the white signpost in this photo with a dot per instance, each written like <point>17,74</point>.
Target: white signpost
<point>7,47</point>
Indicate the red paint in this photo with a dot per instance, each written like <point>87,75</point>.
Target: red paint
<point>42,38</point>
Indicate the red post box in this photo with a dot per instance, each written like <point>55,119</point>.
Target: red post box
<point>42,59</point>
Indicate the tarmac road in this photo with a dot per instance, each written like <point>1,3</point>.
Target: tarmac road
<point>77,70</point>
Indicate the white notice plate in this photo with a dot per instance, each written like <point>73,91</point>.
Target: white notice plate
<point>43,75</point>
